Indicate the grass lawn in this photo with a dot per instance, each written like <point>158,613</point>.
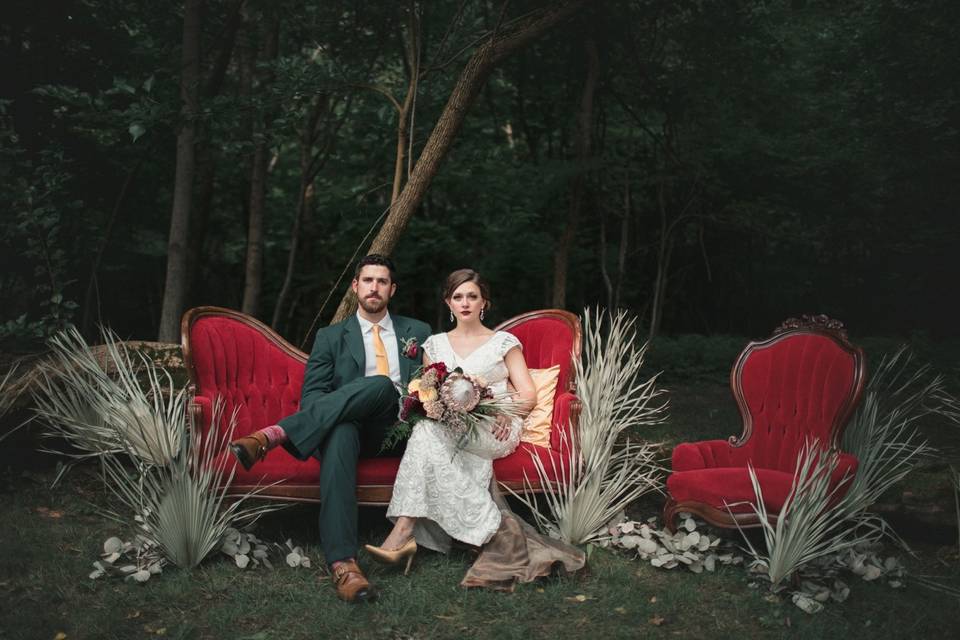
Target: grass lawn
<point>49,538</point>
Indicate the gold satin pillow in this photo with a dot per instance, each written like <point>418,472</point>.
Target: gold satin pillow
<point>536,426</point>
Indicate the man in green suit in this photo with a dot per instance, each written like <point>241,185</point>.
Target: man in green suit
<point>350,396</point>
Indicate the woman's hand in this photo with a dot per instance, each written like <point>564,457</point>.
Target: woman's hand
<point>501,427</point>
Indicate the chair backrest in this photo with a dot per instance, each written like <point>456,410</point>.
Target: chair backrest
<point>802,383</point>
<point>239,359</point>
<point>549,337</point>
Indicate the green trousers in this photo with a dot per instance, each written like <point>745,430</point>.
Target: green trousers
<point>337,429</point>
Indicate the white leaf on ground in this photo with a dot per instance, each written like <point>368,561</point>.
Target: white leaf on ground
<point>128,568</point>
<point>293,559</point>
<point>112,545</point>
<point>710,563</point>
<point>259,554</point>
<point>141,576</point>
<point>840,591</point>
<point>155,568</point>
<point>96,574</point>
<point>241,560</point>
<point>244,548</point>
<point>305,562</point>
<point>689,524</point>
<point>704,543</point>
<point>230,548</point>
<point>890,564</point>
<point>267,563</point>
<point>807,604</point>
<point>626,527</point>
<point>692,539</point>
<point>112,557</point>
<point>644,531</point>
<point>630,542</point>
<point>872,572</point>
<point>646,546</point>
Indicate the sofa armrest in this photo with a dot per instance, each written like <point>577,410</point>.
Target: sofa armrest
<point>566,417</point>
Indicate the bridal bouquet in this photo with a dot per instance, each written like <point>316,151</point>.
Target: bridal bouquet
<point>460,402</point>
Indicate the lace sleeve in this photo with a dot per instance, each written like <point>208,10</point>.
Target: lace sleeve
<point>430,348</point>
<point>507,341</point>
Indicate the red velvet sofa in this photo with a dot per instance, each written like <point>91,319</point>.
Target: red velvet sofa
<point>258,374</point>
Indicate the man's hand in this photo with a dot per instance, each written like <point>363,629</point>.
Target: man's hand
<point>501,427</point>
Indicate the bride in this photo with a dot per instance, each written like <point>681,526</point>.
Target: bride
<point>442,494</point>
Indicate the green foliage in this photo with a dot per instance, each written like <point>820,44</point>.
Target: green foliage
<point>789,157</point>
<point>36,267</point>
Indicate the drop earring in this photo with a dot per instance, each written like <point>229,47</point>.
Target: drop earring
<point>451,316</point>
<point>482,311</point>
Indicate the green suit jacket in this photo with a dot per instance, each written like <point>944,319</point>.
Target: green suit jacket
<point>338,357</point>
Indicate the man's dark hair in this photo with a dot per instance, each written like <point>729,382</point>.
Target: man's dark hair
<point>377,260</point>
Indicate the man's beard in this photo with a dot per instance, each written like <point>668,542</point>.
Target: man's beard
<point>373,305</point>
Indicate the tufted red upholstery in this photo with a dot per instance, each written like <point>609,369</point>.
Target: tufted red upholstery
<point>258,375</point>
<point>793,387</point>
<point>548,341</point>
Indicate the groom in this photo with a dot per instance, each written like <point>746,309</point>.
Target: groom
<point>349,401</point>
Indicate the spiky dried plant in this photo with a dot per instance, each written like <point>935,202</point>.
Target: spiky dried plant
<point>7,398</point>
<point>817,521</point>
<point>135,422</point>
<point>96,413</point>
<point>601,475</point>
<point>182,506</point>
<point>813,522</point>
<point>883,432</point>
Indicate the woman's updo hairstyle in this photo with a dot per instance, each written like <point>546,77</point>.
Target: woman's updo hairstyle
<point>461,276</point>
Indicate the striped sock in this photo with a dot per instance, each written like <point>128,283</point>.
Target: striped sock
<point>275,435</point>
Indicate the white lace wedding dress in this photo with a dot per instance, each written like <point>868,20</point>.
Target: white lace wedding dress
<point>449,490</point>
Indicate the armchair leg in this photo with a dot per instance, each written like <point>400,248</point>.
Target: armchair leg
<point>670,515</point>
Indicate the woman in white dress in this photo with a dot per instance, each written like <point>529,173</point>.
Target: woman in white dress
<point>441,493</point>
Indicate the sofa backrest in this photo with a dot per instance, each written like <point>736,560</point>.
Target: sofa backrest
<point>549,337</point>
<point>245,363</point>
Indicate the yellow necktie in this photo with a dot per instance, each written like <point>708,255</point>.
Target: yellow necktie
<point>383,366</point>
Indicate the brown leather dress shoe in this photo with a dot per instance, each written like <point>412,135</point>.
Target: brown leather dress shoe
<point>250,449</point>
<point>351,585</point>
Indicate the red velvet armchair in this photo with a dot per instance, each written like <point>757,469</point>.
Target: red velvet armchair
<point>258,374</point>
<point>802,383</point>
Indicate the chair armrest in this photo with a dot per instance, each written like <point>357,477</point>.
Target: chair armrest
<point>706,454</point>
<point>566,418</point>
<point>201,410</point>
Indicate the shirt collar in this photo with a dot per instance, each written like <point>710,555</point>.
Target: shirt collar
<point>386,323</point>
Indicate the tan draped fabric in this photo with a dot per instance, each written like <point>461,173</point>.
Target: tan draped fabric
<point>518,553</point>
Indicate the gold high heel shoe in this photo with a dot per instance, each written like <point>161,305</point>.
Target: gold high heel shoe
<point>408,551</point>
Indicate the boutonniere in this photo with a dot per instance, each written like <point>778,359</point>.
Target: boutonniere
<point>410,348</point>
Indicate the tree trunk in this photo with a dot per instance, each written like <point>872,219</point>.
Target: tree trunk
<point>93,289</point>
<point>176,276</point>
<point>206,159</point>
<point>561,258</point>
<point>476,71</point>
<point>253,277</point>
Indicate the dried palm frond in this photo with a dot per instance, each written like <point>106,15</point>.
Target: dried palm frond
<point>7,398</point>
<point>600,475</point>
<point>172,478</point>
<point>182,507</point>
<point>96,413</point>
<point>813,522</point>
<point>882,433</point>
<point>817,521</point>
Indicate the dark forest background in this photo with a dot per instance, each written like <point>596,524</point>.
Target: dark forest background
<point>713,166</point>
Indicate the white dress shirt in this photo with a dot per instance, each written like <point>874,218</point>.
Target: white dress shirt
<point>389,337</point>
